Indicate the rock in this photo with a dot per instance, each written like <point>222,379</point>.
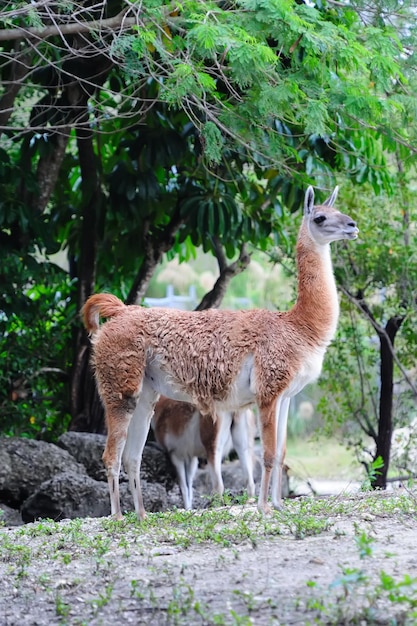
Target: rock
<point>86,448</point>
<point>9,517</point>
<point>25,464</point>
<point>233,477</point>
<point>68,480</point>
<point>69,495</point>
<point>156,467</point>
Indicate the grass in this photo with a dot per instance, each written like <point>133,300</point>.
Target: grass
<point>384,599</point>
<point>225,527</point>
<point>322,458</point>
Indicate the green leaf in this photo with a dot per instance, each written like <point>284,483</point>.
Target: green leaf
<point>213,142</point>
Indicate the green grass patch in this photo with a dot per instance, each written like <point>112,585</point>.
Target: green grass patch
<point>322,458</point>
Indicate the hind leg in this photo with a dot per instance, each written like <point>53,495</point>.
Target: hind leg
<point>135,442</point>
<point>214,429</point>
<point>243,436</point>
<point>191,466</point>
<point>118,416</point>
<point>186,469</point>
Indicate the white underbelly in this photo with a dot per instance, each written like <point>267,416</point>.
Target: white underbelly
<point>187,444</point>
<point>242,392</point>
<point>308,373</point>
<point>165,384</point>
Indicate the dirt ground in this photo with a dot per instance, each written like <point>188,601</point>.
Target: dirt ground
<point>342,560</point>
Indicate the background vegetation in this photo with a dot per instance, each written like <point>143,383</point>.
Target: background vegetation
<point>130,130</point>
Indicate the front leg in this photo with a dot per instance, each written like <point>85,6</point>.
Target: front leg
<point>282,419</point>
<point>267,421</point>
<point>210,432</point>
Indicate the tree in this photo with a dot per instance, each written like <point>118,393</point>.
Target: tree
<point>372,354</point>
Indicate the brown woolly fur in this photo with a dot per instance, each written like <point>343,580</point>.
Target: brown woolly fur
<point>209,348</point>
<point>217,360</point>
<point>186,434</point>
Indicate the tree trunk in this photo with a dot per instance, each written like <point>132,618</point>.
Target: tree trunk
<point>19,68</point>
<point>48,169</point>
<point>385,426</point>
<point>85,406</point>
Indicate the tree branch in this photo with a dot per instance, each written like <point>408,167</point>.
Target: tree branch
<point>154,246</point>
<point>362,306</point>
<point>213,298</point>
<point>19,32</point>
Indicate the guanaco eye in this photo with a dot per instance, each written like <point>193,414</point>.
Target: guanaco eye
<point>319,219</point>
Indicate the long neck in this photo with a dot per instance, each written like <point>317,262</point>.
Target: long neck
<point>316,310</point>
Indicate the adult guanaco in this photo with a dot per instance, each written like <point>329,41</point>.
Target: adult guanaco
<point>218,360</point>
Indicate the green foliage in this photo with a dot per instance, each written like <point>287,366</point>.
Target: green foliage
<point>373,470</point>
<point>212,142</point>
<point>319,70</point>
<point>364,543</point>
<point>377,272</point>
<point>35,339</point>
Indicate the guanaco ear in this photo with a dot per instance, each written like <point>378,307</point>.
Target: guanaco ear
<point>309,201</point>
<point>332,199</point>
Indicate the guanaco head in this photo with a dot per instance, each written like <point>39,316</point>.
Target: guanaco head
<point>325,223</point>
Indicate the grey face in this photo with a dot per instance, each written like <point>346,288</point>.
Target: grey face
<point>326,224</point>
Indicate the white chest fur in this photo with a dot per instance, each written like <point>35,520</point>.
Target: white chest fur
<point>308,373</point>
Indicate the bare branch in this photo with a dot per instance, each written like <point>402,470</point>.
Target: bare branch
<point>154,246</point>
<point>75,28</point>
<point>381,332</point>
<point>213,298</point>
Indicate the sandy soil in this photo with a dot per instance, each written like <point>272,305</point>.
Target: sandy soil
<point>356,567</point>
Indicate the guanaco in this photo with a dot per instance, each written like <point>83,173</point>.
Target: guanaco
<point>218,360</point>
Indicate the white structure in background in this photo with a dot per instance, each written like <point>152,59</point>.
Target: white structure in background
<point>188,303</point>
<point>171,301</point>
<point>404,448</point>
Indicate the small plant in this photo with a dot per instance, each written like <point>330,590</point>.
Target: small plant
<point>62,609</point>
<point>248,598</point>
<point>103,598</point>
<point>349,580</point>
<point>137,589</point>
<point>66,558</point>
<point>374,470</point>
<point>363,542</point>
<point>44,580</point>
<point>182,602</point>
<point>240,620</point>
<point>301,525</point>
